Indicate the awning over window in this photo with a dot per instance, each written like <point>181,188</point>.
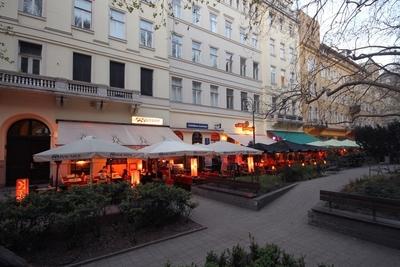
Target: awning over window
<point>244,139</point>
<point>295,137</point>
<point>123,134</point>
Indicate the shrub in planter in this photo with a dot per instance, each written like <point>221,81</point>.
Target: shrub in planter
<point>292,174</point>
<point>115,192</point>
<point>156,204</point>
<point>25,224</point>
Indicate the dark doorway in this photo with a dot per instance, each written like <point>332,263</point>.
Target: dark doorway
<point>25,138</point>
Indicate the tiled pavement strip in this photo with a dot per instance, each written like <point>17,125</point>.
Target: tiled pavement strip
<point>283,222</point>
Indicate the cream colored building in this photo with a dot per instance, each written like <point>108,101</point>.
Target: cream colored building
<point>67,58</point>
<point>324,69</point>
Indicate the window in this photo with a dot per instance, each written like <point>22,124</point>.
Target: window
<point>214,95</point>
<point>33,7</point>
<point>82,67</point>
<point>293,108</point>
<point>271,17</point>
<point>254,41</point>
<point>281,24</point>
<point>214,57</point>
<point>196,50</point>
<point>83,14</point>
<point>255,70</point>
<point>117,24</point>
<point>283,77</point>
<point>311,65</point>
<point>146,33</point>
<point>146,82</point>
<point>196,92</point>
<point>176,8</point>
<point>229,98</point>
<point>242,66</point>
<point>291,54</point>
<point>272,47</point>
<point>196,14</point>
<point>274,106</point>
<point>229,62</point>
<point>273,75</point>
<point>291,31</point>
<point>256,100</point>
<point>282,51</point>
<point>242,35</point>
<point>30,56</point>
<point>213,22</point>
<point>197,138</point>
<point>292,78</point>
<point>176,94</point>
<point>117,74</point>
<point>228,29</point>
<point>176,46</point>
<point>243,101</point>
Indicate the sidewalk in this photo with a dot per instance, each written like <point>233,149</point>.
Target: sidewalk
<point>283,222</point>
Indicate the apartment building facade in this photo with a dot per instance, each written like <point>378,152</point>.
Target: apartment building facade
<point>325,69</point>
<point>82,67</point>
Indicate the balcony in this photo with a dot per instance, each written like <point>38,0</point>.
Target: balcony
<point>63,87</point>
<point>288,120</point>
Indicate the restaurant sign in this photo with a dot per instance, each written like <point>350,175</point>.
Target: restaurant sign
<point>147,120</point>
<point>194,125</point>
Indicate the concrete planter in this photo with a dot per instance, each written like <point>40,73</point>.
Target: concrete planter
<point>255,203</point>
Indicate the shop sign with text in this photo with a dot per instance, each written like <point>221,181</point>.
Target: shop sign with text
<point>194,125</point>
<point>147,120</point>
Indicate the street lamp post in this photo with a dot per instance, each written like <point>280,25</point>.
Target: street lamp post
<point>251,104</point>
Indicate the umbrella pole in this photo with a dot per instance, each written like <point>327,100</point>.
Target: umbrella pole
<point>57,171</point>
<point>91,172</point>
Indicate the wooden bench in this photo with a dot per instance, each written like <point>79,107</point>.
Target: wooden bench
<point>373,203</point>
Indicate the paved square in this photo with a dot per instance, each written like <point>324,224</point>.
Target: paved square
<point>283,222</point>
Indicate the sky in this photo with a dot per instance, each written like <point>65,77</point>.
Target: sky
<point>362,23</point>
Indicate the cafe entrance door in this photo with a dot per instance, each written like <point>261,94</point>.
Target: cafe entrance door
<point>24,139</point>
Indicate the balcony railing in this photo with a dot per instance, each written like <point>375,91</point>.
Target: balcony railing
<point>67,87</point>
<point>288,119</point>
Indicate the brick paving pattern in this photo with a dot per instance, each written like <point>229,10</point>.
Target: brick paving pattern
<point>283,222</point>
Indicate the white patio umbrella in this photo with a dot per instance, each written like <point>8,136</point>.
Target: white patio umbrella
<point>318,143</point>
<point>349,143</point>
<point>172,148</point>
<point>86,148</point>
<point>226,148</point>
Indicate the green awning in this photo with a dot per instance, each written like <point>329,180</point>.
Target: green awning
<point>296,137</point>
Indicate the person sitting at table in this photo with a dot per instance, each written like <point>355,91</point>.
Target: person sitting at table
<point>103,175</point>
<point>125,175</point>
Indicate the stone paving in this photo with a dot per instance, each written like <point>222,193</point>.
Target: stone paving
<point>283,222</point>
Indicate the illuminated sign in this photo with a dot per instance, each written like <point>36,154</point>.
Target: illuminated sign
<point>244,125</point>
<point>21,188</point>
<point>147,120</point>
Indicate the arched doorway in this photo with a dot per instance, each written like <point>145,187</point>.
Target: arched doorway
<point>25,138</point>
<point>197,138</point>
